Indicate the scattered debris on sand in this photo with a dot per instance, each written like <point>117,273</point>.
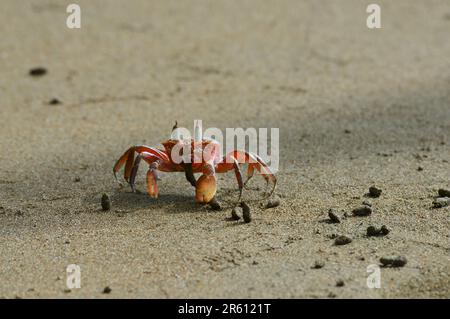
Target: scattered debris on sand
<point>236,213</point>
<point>106,203</point>
<point>375,231</point>
<point>107,290</point>
<point>342,240</point>
<point>374,191</point>
<point>246,214</point>
<point>393,261</point>
<point>39,71</point>
<point>444,192</point>
<point>214,204</point>
<point>441,202</point>
<point>362,211</point>
<point>54,101</point>
<point>318,264</point>
<point>273,202</point>
<point>334,218</point>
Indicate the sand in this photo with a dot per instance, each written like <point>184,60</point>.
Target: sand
<point>355,108</point>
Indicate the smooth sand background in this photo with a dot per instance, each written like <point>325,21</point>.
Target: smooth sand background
<point>311,68</point>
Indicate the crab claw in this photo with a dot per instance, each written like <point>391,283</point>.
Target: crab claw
<point>205,188</point>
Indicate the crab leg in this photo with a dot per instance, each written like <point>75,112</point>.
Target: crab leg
<point>250,171</point>
<point>254,162</point>
<point>134,172</point>
<point>223,167</point>
<point>128,158</point>
<point>189,173</point>
<point>152,188</point>
<point>149,158</point>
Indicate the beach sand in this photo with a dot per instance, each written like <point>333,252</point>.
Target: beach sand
<point>355,108</point>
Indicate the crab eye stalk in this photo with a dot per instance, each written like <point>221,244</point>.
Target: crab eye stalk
<point>197,132</point>
<point>175,135</point>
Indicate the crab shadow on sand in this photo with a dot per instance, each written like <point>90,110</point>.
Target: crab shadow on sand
<point>123,199</point>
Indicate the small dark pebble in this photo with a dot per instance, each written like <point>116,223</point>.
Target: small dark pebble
<point>441,202</point>
<point>246,214</point>
<point>273,202</point>
<point>334,218</point>
<point>374,231</point>
<point>420,168</point>
<point>106,203</point>
<point>342,240</point>
<point>107,290</point>
<point>362,211</point>
<point>214,204</point>
<point>393,261</point>
<point>444,192</point>
<point>318,264</point>
<point>77,179</point>
<point>374,191</point>
<point>340,283</point>
<point>236,213</point>
<point>67,242</point>
<point>54,102</point>
<point>347,131</point>
<point>67,291</point>
<point>384,230</point>
<point>38,71</point>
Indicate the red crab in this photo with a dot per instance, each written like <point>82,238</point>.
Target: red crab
<point>204,158</point>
